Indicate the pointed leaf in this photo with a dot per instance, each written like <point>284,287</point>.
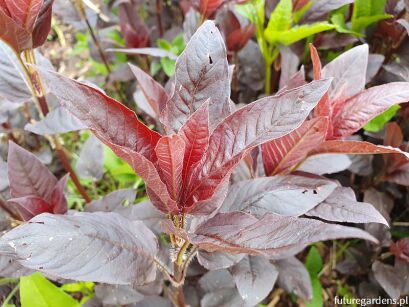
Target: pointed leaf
<point>361,108</point>
<point>284,195</point>
<point>254,277</point>
<point>281,155</point>
<point>281,18</point>
<point>27,175</point>
<point>112,201</point>
<point>4,180</point>
<point>121,251</point>
<point>195,133</point>
<point>325,164</point>
<point>201,72</point>
<point>319,9</point>
<point>239,232</point>
<point>218,260</point>
<point>170,152</point>
<point>58,199</point>
<point>342,206</point>
<point>12,34</point>
<point>250,126</point>
<point>349,73</point>
<point>24,12</point>
<point>153,91</point>
<point>355,147</point>
<point>386,276</point>
<point>9,267</point>
<point>111,121</point>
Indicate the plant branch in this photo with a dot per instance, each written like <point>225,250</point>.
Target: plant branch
<point>39,94</point>
<point>10,296</point>
<point>159,17</point>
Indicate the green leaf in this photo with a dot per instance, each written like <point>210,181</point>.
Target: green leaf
<point>253,11</point>
<point>178,44</point>
<point>362,23</point>
<point>85,287</point>
<point>168,66</point>
<point>338,20</point>
<point>281,17</point>
<point>297,33</point>
<point>300,13</point>
<point>37,291</point>
<point>381,120</point>
<point>317,299</point>
<point>314,261</point>
<point>163,44</point>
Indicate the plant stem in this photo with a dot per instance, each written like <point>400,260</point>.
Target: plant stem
<point>5,281</point>
<point>39,94</point>
<point>81,10</point>
<point>269,59</point>
<point>179,259</point>
<point>6,208</point>
<point>267,85</point>
<point>159,17</point>
<point>10,296</point>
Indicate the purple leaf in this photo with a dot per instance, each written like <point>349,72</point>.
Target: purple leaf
<point>27,175</point>
<point>9,267</point>
<point>117,294</point>
<point>122,251</point>
<point>294,277</point>
<point>321,8</point>
<point>239,232</point>
<point>325,164</point>
<point>342,206</point>
<point>284,195</point>
<point>218,260</point>
<point>386,276</point>
<point>153,91</point>
<point>201,72</point>
<point>112,202</point>
<point>57,121</point>
<point>254,277</point>
<point>58,199</point>
<point>30,206</point>
<point>349,73</point>
<point>4,181</point>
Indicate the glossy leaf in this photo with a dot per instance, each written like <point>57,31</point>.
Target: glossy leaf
<point>170,151</point>
<point>342,206</point>
<point>281,18</point>
<point>281,155</point>
<point>325,164</point>
<point>283,195</point>
<point>121,251</point>
<point>218,260</point>
<point>240,232</point>
<point>201,72</point>
<point>363,107</point>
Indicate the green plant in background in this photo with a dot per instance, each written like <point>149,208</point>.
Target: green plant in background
<point>37,291</point>
<point>167,64</point>
<point>314,265</point>
<point>282,29</point>
<point>365,13</point>
<point>381,120</point>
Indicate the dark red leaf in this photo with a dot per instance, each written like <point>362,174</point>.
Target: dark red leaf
<point>237,39</point>
<point>58,200</point>
<point>281,155</point>
<point>42,25</point>
<point>30,206</point>
<point>170,151</point>
<point>195,133</point>
<point>208,7</point>
<point>27,175</point>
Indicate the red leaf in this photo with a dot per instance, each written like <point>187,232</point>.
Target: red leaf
<point>27,175</point>
<point>401,249</point>
<point>324,107</point>
<point>30,206</point>
<point>208,7</point>
<point>135,33</point>
<point>281,155</point>
<point>361,108</point>
<point>170,152</point>
<point>195,133</point>
<point>110,120</point>
<point>15,36</point>
<point>355,147</point>
<point>152,90</point>
<point>201,72</point>
<point>24,12</point>
<point>256,123</point>
<point>42,25</point>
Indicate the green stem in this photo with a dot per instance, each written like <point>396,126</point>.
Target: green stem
<point>5,281</point>
<point>10,296</point>
<point>267,85</point>
<point>269,59</point>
